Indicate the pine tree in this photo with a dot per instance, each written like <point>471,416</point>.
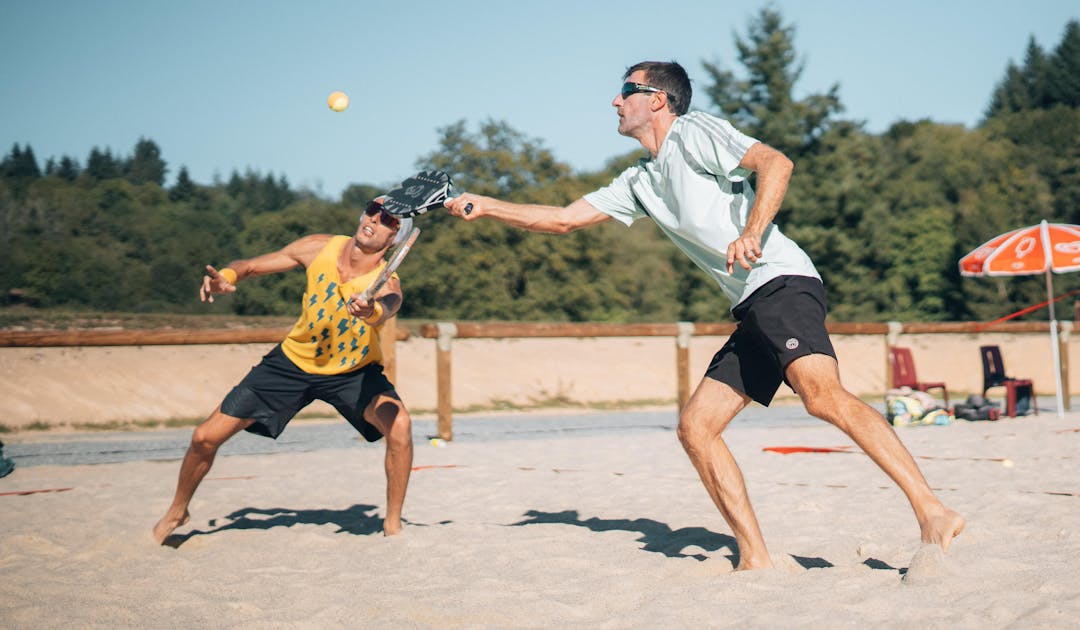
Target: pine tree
<point>68,168</point>
<point>1037,76</point>
<point>102,165</point>
<point>20,164</point>
<point>184,189</point>
<point>763,105</point>
<point>146,165</point>
<point>1012,94</point>
<point>1063,69</point>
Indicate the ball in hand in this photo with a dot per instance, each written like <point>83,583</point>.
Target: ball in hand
<point>338,101</point>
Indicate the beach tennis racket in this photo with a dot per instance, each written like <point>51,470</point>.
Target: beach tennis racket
<point>392,264</point>
<point>420,193</point>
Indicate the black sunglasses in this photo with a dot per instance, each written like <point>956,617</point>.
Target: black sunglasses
<point>385,217</point>
<point>629,89</point>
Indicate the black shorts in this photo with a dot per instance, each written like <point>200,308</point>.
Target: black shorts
<point>780,322</point>
<point>275,390</point>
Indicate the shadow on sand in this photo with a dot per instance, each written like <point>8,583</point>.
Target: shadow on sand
<point>359,520</point>
<point>660,538</point>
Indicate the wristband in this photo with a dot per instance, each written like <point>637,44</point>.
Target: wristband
<point>376,313</point>
<point>229,275</point>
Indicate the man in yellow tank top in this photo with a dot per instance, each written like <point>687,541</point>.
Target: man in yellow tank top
<point>331,354</point>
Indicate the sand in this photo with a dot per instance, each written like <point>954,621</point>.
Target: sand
<point>609,530</point>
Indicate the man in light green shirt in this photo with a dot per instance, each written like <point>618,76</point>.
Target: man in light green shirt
<point>694,188</point>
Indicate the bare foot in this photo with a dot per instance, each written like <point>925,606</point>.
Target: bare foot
<point>391,529</point>
<point>941,528</point>
<point>166,526</point>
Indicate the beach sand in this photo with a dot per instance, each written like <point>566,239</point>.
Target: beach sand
<point>562,530</point>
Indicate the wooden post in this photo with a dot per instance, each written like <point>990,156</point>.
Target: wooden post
<point>1063,357</point>
<point>891,337</point>
<point>447,331</point>
<point>388,345</point>
<point>682,363</point>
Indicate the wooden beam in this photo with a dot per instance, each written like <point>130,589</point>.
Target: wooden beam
<point>157,337</point>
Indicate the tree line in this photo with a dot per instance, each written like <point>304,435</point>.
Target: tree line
<point>885,217</point>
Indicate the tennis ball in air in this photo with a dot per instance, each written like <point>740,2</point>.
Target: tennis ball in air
<point>338,101</point>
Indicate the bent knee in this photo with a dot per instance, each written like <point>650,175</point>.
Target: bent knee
<point>392,419</point>
<point>694,430</point>
<point>205,439</point>
<point>830,405</point>
<point>401,427</point>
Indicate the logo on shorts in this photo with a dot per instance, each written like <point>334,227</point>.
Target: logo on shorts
<point>792,343</point>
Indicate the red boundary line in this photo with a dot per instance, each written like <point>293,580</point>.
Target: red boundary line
<point>25,492</point>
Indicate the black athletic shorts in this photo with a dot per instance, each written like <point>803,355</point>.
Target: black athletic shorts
<point>781,321</point>
<point>275,390</point>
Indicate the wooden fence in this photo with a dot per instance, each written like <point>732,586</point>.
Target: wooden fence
<point>444,333</point>
<point>182,337</point>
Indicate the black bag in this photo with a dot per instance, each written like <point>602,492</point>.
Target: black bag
<point>1023,401</point>
<point>6,465</point>
<point>977,408</point>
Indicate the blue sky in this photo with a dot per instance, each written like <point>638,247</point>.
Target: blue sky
<point>229,85</point>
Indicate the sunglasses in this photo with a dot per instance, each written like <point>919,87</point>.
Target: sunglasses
<point>629,89</point>
<point>387,219</point>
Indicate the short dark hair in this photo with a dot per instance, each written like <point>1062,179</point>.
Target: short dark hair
<point>670,77</point>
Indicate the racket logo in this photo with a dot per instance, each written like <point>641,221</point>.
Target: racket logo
<point>414,191</point>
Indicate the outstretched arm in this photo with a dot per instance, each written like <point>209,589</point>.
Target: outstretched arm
<point>536,218</point>
<point>300,252</point>
<point>773,170</point>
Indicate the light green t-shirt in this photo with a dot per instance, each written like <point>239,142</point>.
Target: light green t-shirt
<point>687,191</point>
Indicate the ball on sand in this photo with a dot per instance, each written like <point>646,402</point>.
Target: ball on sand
<point>338,101</point>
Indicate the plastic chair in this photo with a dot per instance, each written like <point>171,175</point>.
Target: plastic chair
<point>994,376</point>
<point>903,373</point>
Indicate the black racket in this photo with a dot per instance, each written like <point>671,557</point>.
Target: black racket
<point>420,193</point>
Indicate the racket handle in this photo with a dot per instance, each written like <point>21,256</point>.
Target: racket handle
<point>365,297</point>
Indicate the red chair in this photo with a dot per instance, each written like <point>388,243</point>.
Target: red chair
<point>903,373</point>
<point>994,376</point>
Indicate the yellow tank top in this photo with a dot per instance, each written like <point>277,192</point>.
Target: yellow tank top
<point>326,339</point>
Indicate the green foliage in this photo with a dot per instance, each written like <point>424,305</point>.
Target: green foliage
<point>1064,70</point>
<point>1044,81</point>
<point>885,217</point>
<point>763,104</point>
<point>146,165</point>
<point>260,193</point>
<point>20,163</point>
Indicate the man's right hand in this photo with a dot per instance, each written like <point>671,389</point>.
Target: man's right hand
<point>213,282</point>
<point>745,250</point>
<point>475,203</point>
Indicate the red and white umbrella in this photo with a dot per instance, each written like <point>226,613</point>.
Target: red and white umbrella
<point>1028,251</point>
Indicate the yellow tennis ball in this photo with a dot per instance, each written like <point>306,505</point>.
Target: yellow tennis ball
<point>338,101</point>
